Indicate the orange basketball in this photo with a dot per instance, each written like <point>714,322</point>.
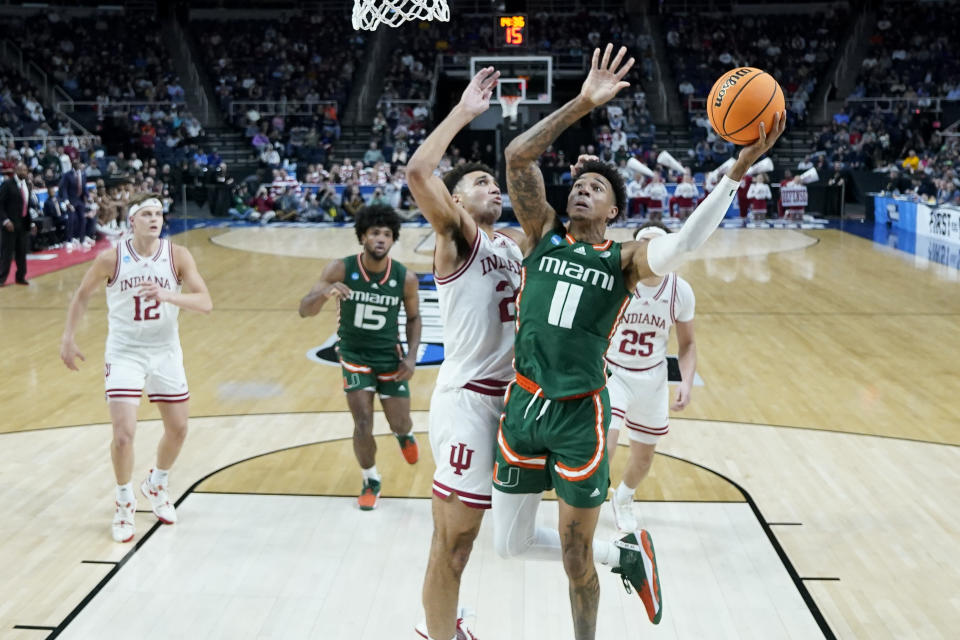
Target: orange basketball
<point>740,100</point>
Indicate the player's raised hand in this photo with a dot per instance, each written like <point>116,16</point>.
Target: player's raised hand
<point>681,399</point>
<point>605,79</point>
<point>584,157</point>
<point>767,139</point>
<point>476,97</point>
<point>69,354</point>
<point>337,290</point>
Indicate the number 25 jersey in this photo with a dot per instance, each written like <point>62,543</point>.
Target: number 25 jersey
<point>640,342</point>
<point>571,297</point>
<point>135,322</point>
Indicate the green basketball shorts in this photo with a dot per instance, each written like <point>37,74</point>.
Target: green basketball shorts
<point>547,444</point>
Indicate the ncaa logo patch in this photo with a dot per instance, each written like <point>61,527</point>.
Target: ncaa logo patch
<point>354,276</point>
<point>555,239</point>
<point>126,258</point>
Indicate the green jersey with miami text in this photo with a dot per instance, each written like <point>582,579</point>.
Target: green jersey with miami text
<point>571,298</point>
<point>368,332</point>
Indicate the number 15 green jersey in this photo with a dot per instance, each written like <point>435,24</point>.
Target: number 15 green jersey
<point>368,330</point>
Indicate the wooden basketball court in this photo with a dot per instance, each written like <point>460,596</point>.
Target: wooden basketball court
<point>810,490</point>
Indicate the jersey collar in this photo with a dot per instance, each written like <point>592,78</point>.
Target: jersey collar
<point>366,276</point>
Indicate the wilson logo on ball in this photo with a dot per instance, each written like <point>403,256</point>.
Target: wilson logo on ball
<point>740,100</point>
<point>731,81</point>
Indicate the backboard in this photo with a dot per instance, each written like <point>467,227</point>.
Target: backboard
<point>530,77</point>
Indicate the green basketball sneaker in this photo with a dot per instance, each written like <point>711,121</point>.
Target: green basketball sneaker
<point>638,567</point>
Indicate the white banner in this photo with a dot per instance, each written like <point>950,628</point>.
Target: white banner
<point>793,195</point>
<point>942,222</point>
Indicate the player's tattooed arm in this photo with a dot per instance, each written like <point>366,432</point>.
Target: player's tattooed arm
<point>330,286</point>
<point>524,179</point>
<point>529,197</point>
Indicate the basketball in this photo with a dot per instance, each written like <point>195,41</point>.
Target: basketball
<point>740,100</point>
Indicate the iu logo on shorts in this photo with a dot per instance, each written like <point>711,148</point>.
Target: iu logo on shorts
<point>460,457</point>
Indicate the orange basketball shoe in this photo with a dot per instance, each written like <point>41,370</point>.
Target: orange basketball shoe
<point>369,495</point>
<point>409,448</point>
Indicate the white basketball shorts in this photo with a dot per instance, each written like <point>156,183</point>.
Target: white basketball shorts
<point>640,399</point>
<point>159,372</point>
<point>463,438</point>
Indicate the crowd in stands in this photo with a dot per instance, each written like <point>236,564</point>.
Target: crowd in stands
<point>796,49</point>
<point>910,62</point>
<point>22,113</point>
<point>112,61</point>
<point>79,190</point>
<point>911,53</point>
<point>301,88</point>
<point>280,61</point>
<point>101,57</point>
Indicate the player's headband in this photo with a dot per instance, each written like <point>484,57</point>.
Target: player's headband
<point>649,232</point>
<point>150,202</point>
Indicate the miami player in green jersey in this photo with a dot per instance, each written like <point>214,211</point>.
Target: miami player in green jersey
<point>574,286</point>
<point>369,288</point>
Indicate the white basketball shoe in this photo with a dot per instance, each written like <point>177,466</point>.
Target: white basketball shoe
<point>623,514</point>
<point>123,528</point>
<point>159,501</point>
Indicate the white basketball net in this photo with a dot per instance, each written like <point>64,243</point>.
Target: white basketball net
<point>369,14</point>
<point>510,105</point>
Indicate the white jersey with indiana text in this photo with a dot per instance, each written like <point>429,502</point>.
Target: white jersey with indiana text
<point>133,321</point>
<point>478,312</point>
<point>640,341</point>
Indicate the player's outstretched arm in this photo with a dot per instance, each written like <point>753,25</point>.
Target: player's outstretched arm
<point>437,205</point>
<point>330,286</point>
<point>524,179</point>
<point>101,270</point>
<point>664,254</point>
<point>198,298</point>
<point>411,306</point>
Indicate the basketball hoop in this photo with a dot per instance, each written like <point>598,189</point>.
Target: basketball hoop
<point>369,14</point>
<point>510,105</point>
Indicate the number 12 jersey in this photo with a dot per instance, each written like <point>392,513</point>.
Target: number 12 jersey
<point>135,322</point>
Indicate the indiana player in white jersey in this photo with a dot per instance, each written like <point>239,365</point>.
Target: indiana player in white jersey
<point>477,272</point>
<point>144,274</point>
<point>638,373</point>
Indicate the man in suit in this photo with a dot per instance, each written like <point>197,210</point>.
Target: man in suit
<point>73,192</point>
<point>53,209</point>
<point>15,213</point>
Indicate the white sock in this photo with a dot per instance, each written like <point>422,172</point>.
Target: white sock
<point>125,493</point>
<point>623,493</point>
<point>158,477</point>
<point>606,553</point>
<point>371,473</point>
